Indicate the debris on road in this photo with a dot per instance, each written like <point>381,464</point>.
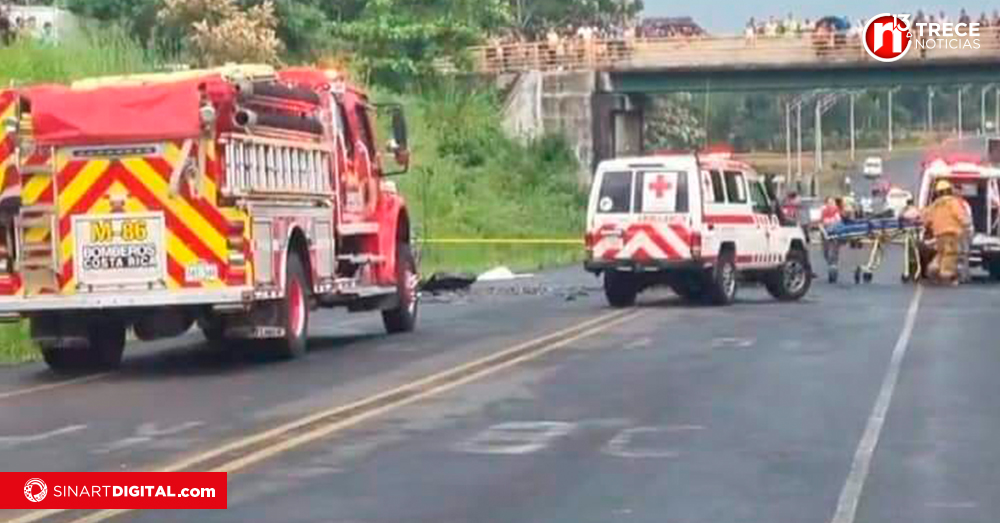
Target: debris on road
<point>501,274</point>
<point>448,282</point>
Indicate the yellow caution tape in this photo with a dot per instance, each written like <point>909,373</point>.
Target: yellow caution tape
<point>502,241</point>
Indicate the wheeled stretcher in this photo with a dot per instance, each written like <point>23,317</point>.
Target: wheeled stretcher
<point>879,232</point>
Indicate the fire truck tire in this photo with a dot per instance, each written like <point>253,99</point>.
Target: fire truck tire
<point>403,318</point>
<point>107,344</point>
<point>293,312</point>
<point>792,280</point>
<point>63,360</point>
<point>620,288</point>
<point>722,280</point>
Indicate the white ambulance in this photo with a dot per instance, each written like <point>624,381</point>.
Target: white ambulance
<point>699,224</point>
<point>979,185</point>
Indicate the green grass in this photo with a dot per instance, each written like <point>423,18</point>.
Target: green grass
<point>469,180</point>
<point>107,52</point>
<point>15,344</point>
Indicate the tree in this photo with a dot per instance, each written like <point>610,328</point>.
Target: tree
<point>397,41</point>
<point>221,31</point>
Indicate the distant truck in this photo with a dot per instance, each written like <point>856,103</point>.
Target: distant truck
<point>699,224</point>
<point>237,199</point>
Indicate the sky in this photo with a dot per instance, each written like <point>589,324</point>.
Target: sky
<point>731,16</point>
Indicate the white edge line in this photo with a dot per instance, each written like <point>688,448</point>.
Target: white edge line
<point>847,504</point>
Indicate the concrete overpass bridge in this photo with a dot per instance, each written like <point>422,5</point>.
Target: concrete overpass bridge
<point>586,89</point>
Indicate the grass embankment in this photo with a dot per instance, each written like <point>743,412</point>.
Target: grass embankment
<point>471,181</point>
<point>468,180</point>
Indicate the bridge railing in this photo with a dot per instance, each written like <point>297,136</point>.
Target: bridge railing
<point>658,53</point>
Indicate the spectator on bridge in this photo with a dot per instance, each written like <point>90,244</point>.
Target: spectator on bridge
<point>963,17</point>
<point>984,21</point>
<point>751,32</point>
<point>771,28</point>
<point>996,18</point>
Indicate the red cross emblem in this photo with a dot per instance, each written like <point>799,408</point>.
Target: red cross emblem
<point>660,186</point>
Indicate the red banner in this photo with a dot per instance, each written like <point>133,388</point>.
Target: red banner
<point>112,490</point>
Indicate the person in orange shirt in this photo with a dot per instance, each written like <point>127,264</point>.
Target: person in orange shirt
<point>831,216</point>
<point>947,223</point>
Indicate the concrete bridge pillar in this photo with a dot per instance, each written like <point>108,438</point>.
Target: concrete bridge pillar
<point>596,124</point>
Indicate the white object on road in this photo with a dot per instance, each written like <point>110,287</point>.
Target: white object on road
<point>872,167</point>
<point>501,274</point>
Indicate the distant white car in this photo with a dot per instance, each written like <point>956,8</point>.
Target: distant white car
<point>872,167</point>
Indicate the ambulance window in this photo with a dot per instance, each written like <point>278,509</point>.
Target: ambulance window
<point>736,187</point>
<point>718,188</point>
<point>661,192</point>
<point>616,193</point>
<point>759,197</point>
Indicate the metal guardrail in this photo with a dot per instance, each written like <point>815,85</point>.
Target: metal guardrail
<point>695,52</point>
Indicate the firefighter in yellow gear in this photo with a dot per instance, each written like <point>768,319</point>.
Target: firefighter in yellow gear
<point>947,222</point>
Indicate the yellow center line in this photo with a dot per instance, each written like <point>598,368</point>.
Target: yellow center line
<point>51,386</point>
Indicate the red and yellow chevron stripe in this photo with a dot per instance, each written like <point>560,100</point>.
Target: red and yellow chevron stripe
<point>196,225</point>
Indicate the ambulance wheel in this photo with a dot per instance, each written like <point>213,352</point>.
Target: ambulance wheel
<point>689,289</point>
<point>722,284</point>
<point>792,280</point>
<point>620,288</point>
<point>404,317</point>
<point>994,269</point>
<point>293,312</point>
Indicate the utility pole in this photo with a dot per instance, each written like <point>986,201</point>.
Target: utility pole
<point>892,91</point>
<point>996,117</point>
<point>930,109</point>
<point>853,99</point>
<point>823,104</point>
<point>982,108</point>
<point>798,138</point>
<point>961,93</point>
<point>788,143</point>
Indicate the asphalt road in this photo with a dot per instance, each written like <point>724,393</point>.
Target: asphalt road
<point>863,403</point>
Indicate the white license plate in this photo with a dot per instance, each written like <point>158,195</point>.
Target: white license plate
<point>120,249</point>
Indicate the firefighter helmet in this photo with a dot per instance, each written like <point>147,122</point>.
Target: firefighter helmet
<point>942,186</point>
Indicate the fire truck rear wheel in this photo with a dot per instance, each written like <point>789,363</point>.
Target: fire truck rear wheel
<point>106,345</point>
<point>293,312</point>
<point>722,280</point>
<point>620,288</point>
<point>63,360</point>
<point>404,317</point>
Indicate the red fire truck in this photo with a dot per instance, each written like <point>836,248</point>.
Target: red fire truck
<point>236,199</point>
